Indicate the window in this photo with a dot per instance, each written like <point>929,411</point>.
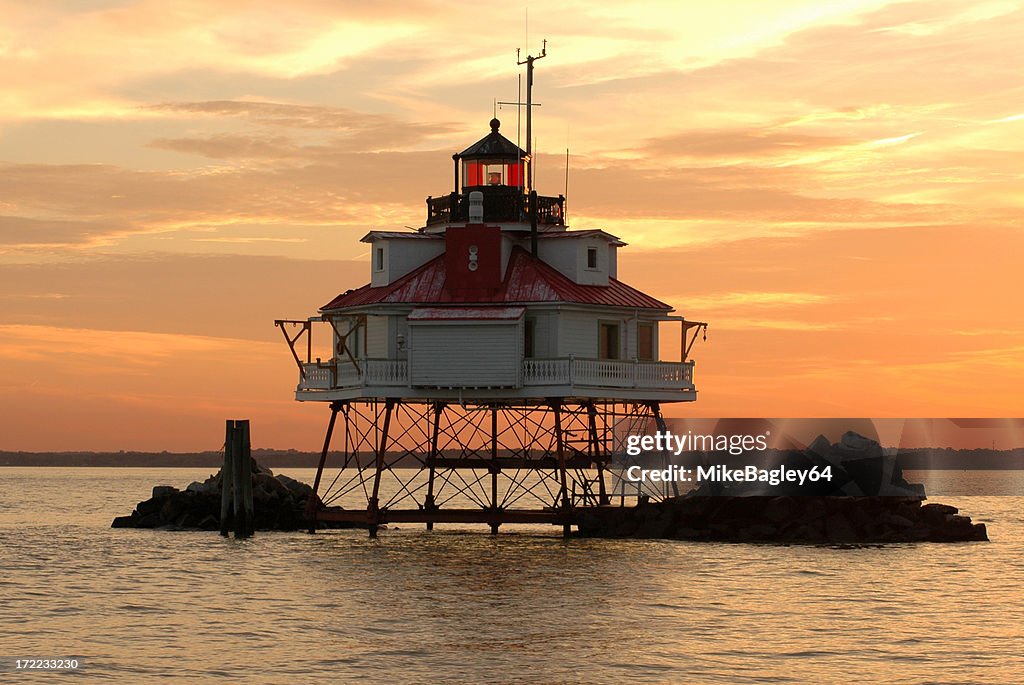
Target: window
<point>645,341</point>
<point>529,333</point>
<point>591,257</point>
<point>378,263</point>
<point>608,340</point>
<point>473,174</point>
<point>495,174</point>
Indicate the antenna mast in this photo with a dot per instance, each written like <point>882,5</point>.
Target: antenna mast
<point>530,59</point>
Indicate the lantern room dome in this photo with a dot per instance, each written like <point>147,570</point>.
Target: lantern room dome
<point>493,146</point>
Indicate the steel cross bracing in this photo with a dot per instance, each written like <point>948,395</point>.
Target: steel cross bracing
<point>494,463</point>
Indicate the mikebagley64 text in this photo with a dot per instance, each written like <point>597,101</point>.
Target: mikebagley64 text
<point>720,473</point>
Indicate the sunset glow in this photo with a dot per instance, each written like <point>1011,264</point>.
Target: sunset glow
<point>835,187</point>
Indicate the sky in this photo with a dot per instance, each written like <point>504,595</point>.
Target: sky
<point>836,187</point>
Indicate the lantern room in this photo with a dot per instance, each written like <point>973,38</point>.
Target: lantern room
<point>492,161</point>
<point>500,170</point>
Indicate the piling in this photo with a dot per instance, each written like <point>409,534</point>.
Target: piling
<point>236,506</point>
<point>249,519</point>
<point>227,480</point>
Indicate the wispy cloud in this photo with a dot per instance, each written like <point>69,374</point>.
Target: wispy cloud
<point>753,298</point>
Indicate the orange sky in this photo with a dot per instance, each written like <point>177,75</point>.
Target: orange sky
<point>835,187</point>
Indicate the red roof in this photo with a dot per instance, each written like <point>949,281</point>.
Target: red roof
<point>527,279</point>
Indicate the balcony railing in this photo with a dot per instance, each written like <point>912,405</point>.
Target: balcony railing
<point>500,204</point>
<point>592,373</point>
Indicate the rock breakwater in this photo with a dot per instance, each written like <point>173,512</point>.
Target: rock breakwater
<point>279,503</point>
<point>785,519</point>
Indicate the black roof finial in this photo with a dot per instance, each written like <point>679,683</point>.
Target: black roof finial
<point>495,124</point>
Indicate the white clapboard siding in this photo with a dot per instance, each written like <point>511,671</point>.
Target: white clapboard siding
<point>400,257</point>
<point>466,355</point>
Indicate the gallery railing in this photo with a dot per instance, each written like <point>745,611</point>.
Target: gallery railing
<point>500,204</point>
<point>602,373</point>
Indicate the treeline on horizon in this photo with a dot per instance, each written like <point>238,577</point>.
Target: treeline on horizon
<point>913,459</point>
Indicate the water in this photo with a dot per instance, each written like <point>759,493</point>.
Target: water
<point>458,606</point>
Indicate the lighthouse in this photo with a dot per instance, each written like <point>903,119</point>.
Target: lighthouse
<point>491,367</point>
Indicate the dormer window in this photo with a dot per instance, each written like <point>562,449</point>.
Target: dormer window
<point>591,257</point>
<point>378,259</point>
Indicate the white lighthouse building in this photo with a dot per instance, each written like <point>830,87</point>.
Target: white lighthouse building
<point>495,340</point>
<point>476,305</point>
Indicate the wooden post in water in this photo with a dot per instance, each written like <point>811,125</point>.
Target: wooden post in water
<point>238,525</point>
<point>236,506</point>
<point>249,527</point>
<point>227,479</point>
<point>241,472</point>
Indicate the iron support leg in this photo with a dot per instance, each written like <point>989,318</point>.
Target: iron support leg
<point>373,507</point>
<point>659,421</point>
<point>597,454</point>
<point>428,502</point>
<point>556,405</point>
<point>494,466</point>
<point>313,503</point>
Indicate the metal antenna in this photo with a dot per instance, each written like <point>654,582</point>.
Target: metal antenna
<point>566,193</point>
<point>530,59</point>
<point>519,116</point>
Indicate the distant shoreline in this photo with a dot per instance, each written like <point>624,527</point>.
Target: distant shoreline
<point>915,460</point>
<point>214,460</point>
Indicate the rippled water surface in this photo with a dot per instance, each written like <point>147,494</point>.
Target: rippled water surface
<point>462,606</point>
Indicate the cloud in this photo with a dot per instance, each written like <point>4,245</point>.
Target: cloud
<point>159,391</point>
<point>209,296</point>
<point>352,130</point>
<point>50,233</point>
<point>626,189</point>
<point>755,143</point>
<point>33,343</point>
<point>756,298</point>
<point>236,146</point>
<point>93,205</point>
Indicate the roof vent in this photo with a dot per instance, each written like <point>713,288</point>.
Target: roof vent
<point>476,207</point>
